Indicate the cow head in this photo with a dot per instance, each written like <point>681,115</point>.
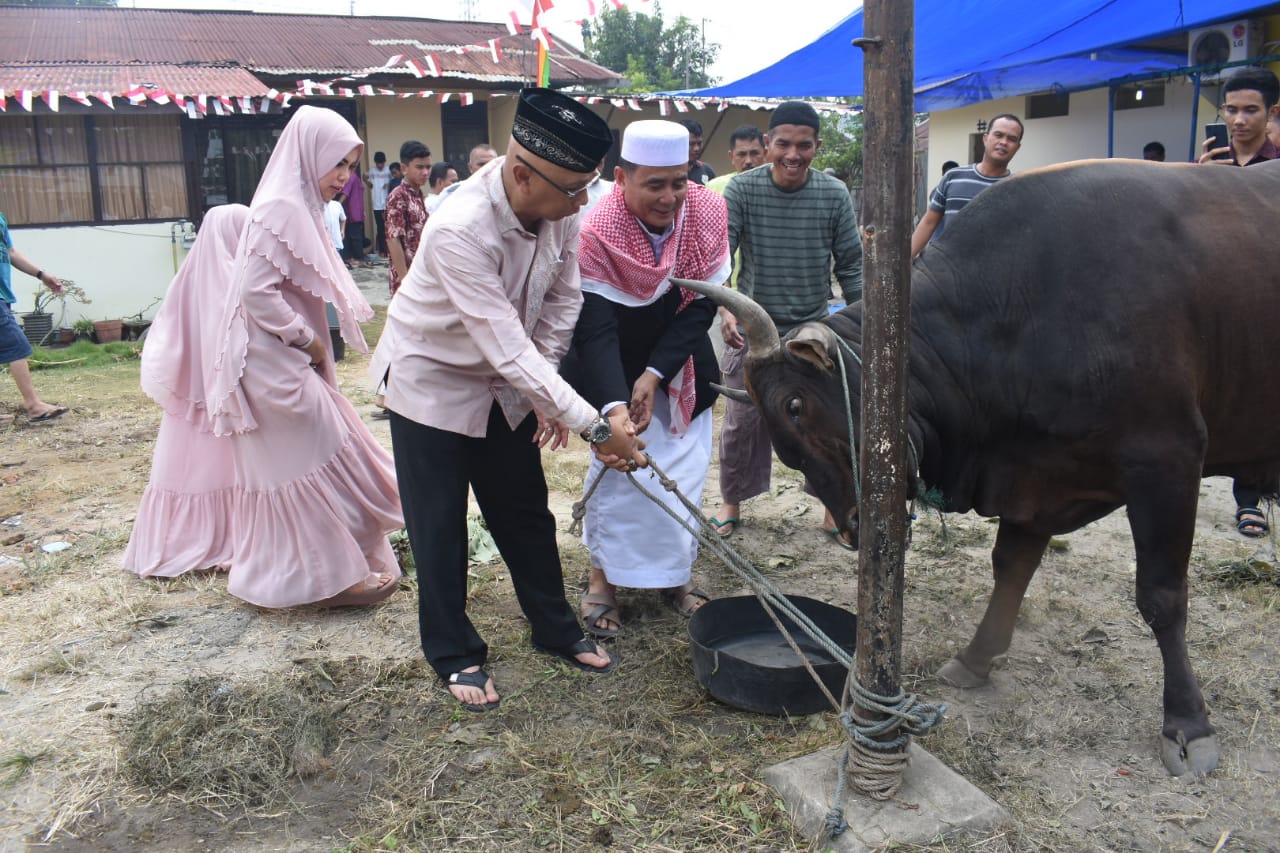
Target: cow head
<point>798,388</point>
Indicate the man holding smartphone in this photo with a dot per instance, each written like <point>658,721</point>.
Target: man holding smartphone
<point>1248,101</point>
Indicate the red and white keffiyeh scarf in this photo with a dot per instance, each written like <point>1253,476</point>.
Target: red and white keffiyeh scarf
<point>614,253</point>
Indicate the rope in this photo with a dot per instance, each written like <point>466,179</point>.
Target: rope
<point>878,764</point>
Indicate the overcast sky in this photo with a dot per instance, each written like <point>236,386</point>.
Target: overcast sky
<point>750,36</point>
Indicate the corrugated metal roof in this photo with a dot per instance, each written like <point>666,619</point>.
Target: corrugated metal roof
<point>280,45</point>
<point>187,79</point>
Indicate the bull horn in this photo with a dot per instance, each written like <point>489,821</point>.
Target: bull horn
<point>735,394</point>
<point>762,334</point>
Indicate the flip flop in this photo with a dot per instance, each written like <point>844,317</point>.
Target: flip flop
<point>567,654</point>
<point>56,412</point>
<point>1251,522</point>
<point>731,523</point>
<point>834,533</point>
<point>596,606</point>
<point>368,594</point>
<point>673,597</point>
<point>477,679</point>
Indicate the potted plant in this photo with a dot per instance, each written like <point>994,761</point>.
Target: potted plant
<point>83,328</point>
<point>107,331</point>
<point>37,325</point>
<point>134,326</point>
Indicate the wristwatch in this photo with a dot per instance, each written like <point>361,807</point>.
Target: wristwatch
<point>599,432</point>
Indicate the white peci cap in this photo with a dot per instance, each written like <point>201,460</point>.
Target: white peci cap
<point>654,142</point>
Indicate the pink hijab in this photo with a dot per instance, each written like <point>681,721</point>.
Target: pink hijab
<point>173,358</point>
<point>286,226</point>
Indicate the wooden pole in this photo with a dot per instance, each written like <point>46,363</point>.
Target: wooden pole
<point>887,156</point>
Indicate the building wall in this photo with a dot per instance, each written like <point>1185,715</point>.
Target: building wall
<point>388,122</point>
<point>123,268</point>
<point>1080,135</point>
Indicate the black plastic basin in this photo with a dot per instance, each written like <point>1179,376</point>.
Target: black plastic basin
<point>740,657</point>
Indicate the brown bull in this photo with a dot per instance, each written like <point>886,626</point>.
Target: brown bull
<point>1081,339</point>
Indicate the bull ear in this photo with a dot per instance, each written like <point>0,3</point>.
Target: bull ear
<point>814,343</point>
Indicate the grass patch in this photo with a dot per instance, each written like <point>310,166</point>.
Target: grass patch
<point>218,742</point>
<point>1243,572</point>
<point>84,354</point>
<point>17,765</point>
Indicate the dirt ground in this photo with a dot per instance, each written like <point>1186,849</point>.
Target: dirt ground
<point>97,667</point>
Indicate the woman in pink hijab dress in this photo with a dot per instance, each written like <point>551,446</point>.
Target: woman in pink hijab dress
<point>315,494</point>
<point>184,521</point>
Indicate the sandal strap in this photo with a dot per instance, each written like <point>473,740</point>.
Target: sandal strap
<point>479,678</point>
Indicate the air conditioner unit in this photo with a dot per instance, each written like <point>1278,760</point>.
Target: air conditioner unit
<point>1230,41</point>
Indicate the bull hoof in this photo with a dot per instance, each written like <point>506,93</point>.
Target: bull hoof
<point>955,673</point>
<point>1200,756</point>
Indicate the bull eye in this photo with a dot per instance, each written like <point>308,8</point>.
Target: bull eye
<point>794,408</point>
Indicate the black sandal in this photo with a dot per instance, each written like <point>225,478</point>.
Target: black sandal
<point>1251,522</point>
<point>583,646</point>
<point>479,679</point>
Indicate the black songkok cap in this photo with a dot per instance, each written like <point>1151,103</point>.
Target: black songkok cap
<point>560,130</point>
<point>795,112</point>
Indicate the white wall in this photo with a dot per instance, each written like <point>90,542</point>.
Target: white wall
<point>1080,135</point>
<point>123,268</point>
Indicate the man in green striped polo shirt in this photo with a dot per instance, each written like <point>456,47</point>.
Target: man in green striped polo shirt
<point>789,222</point>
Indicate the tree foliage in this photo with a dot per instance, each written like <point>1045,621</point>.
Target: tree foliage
<point>841,150</point>
<point>652,55</point>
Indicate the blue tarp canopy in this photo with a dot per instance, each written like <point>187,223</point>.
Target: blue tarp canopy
<point>974,50</point>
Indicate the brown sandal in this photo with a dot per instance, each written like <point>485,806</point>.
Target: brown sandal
<point>675,597</point>
<point>598,606</point>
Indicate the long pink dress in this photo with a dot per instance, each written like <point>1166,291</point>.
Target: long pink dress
<point>184,520</point>
<point>315,493</point>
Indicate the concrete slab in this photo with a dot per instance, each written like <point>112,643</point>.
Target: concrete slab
<point>940,800</point>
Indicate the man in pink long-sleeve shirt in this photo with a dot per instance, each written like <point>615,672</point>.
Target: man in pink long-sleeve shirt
<point>469,356</point>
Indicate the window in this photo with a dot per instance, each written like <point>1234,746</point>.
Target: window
<point>45,176</point>
<point>1048,105</point>
<point>113,168</point>
<point>1137,97</point>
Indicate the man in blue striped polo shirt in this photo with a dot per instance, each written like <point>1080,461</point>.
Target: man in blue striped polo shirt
<point>962,184</point>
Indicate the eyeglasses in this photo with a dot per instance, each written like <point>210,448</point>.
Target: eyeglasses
<point>568,192</point>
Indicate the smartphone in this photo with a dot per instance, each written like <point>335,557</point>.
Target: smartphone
<point>1218,131</point>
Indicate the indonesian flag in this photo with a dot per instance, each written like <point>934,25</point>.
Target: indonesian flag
<point>513,23</point>
<point>225,100</point>
<point>246,106</point>
<point>467,98</point>
<point>445,96</point>
<point>306,87</point>
<point>51,98</point>
<point>495,51</point>
<point>365,90</point>
<point>24,98</point>
<point>416,67</point>
<point>106,98</point>
<point>393,61</point>
<point>664,108</point>
<point>136,95</point>
<point>633,103</point>
<point>345,92</point>
<point>159,96</point>
<point>80,98</point>
<point>680,106</point>
<point>4,107</point>
<point>432,67</point>
<point>202,104</point>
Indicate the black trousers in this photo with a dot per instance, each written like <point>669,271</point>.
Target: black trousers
<point>504,469</point>
<point>353,241</point>
<point>380,233</point>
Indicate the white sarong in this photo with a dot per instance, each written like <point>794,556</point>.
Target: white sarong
<point>631,538</point>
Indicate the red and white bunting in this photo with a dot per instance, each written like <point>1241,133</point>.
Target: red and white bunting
<point>80,98</point>
<point>225,100</point>
<point>158,96</point>
<point>513,23</point>
<point>387,92</point>
<point>543,35</point>
<point>432,67</point>
<point>202,104</point>
<point>24,99</point>
<point>680,106</point>
<point>664,108</point>
<point>246,106</point>
<point>416,67</point>
<point>306,88</point>
<point>633,104</point>
<point>365,90</point>
<point>51,98</point>
<point>618,102</point>
<point>495,51</point>
<point>699,105</point>
<point>445,96</point>
<point>617,4</point>
<point>4,106</point>
<point>467,98</point>
<point>724,105</point>
<point>346,93</point>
